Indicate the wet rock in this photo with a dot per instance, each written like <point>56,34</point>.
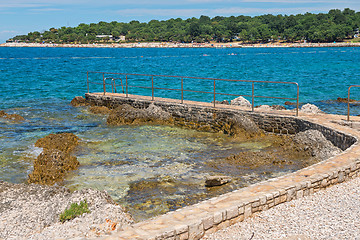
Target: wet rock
<point>51,166</point>
<point>99,110</point>
<point>55,161</point>
<point>344,100</point>
<point>288,103</point>
<point>244,125</point>
<point>241,101</point>
<point>12,117</point>
<point>65,142</point>
<point>310,108</point>
<point>314,142</point>
<point>78,101</point>
<point>126,114</point>
<point>212,181</point>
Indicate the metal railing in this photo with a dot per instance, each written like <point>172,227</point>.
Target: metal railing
<point>182,90</point>
<point>348,102</point>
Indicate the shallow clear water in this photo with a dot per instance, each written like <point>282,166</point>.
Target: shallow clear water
<point>129,161</point>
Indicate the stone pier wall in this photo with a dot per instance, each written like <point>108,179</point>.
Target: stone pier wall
<point>192,222</point>
<point>191,114</point>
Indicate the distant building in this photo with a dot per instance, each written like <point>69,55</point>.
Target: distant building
<point>111,37</point>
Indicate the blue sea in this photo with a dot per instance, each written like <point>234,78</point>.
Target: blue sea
<point>39,83</point>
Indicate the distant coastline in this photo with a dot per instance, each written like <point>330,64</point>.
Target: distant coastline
<point>183,45</point>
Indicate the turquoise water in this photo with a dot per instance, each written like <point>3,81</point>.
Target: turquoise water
<point>39,83</point>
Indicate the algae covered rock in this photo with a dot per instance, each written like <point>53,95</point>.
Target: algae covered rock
<point>126,114</point>
<point>55,161</point>
<point>51,166</point>
<point>12,117</point>
<point>65,142</point>
<point>99,110</point>
<point>78,101</point>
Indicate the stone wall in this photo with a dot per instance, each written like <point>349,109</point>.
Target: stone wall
<point>205,115</point>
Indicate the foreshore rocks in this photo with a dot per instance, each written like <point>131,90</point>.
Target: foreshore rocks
<point>126,114</point>
<point>12,117</point>
<point>31,211</point>
<point>309,147</point>
<point>316,144</point>
<point>55,161</point>
<point>241,101</point>
<point>212,181</point>
<point>78,101</point>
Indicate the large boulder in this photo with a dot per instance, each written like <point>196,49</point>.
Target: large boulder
<point>316,144</point>
<point>99,110</point>
<point>55,161</point>
<point>51,166</point>
<point>241,101</point>
<point>65,142</point>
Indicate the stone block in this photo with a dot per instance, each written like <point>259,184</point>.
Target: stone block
<point>232,212</point>
<point>196,230</point>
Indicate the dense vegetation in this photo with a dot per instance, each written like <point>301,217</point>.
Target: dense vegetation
<point>336,25</point>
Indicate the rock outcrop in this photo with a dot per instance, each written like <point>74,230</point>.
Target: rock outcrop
<point>99,110</point>
<point>126,114</point>
<point>55,161</point>
<point>78,101</point>
<point>316,144</point>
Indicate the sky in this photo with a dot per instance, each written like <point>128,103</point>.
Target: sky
<point>19,17</point>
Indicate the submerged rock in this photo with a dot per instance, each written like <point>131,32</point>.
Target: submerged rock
<point>78,101</point>
<point>12,117</point>
<point>212,181</point>
<point>55,161</point>
<point>316,144</point>
<point>241,101</point>
<point>344,100</point>
<point>310,108</point>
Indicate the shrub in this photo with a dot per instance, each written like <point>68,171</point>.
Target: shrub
<point>74,211</point>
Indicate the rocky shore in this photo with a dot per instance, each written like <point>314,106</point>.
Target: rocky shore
<point>31,211</point>
<point>183,45</point>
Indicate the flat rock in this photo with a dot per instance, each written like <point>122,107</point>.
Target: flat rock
<point>212,181</point>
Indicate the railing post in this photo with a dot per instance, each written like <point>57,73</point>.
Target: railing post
<point>252,97</point>
<point>104,84</point>
<point>182,90</point>
<point>348,105</point>
<point>297,100</point>
<point>126,87</point>
<point>87,77</point>
<point>214,94</point>
<point>152,88</point>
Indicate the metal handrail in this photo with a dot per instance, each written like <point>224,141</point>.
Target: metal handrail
<point>348,102</point>
<point>253,96</point>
